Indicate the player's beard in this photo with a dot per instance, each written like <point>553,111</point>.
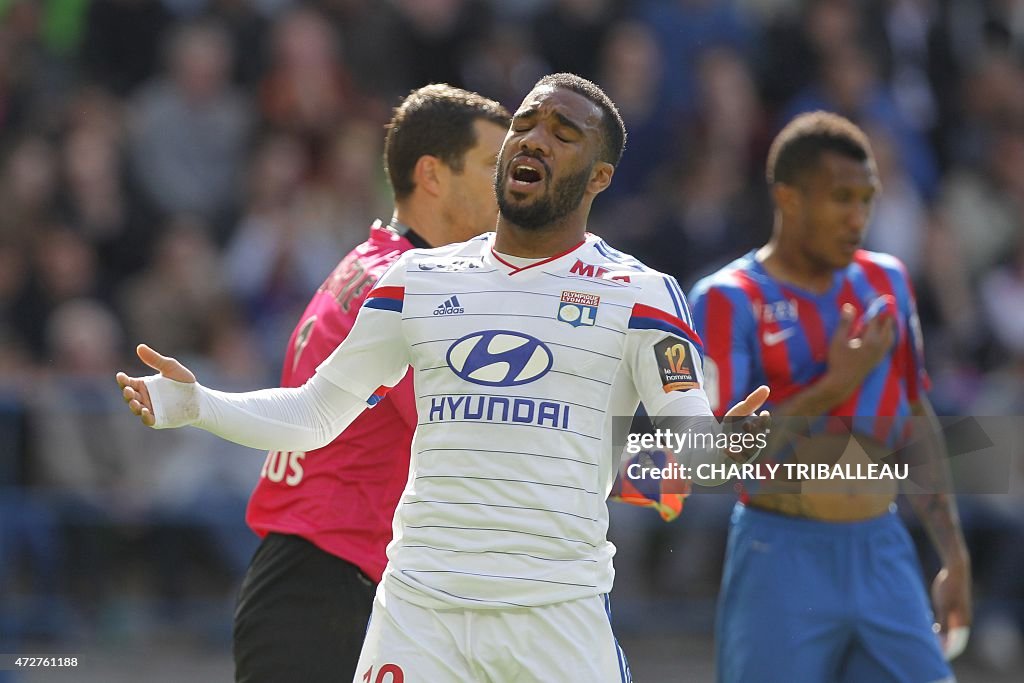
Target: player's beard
<point>558,202</point>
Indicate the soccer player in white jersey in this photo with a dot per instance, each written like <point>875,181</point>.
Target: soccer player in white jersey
<point>525,343</point>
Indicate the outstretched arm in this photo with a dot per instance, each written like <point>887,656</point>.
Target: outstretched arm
<point>373,356</point>
<point>299,419</point>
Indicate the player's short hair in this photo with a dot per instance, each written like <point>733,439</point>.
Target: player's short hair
<point>435,120</point>
<point>798,147</point>
<point>613,128</point>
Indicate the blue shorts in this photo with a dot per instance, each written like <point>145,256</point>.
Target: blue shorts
<point>822,602</point>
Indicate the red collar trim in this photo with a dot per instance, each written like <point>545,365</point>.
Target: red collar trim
<point>513,269</point>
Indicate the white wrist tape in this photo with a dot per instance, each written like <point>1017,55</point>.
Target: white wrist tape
<point>175,404</point>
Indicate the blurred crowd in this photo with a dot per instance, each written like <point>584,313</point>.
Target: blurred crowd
<point>186,173</point>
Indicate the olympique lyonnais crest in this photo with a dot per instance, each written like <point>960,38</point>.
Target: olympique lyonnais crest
<point>675,365</point>
<point>578,308</point>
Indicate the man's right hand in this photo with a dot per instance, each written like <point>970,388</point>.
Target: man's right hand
<point>134,390</point>
<point>851,359</point>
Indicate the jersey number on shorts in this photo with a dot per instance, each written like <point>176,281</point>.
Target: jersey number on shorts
<point>396,674</point>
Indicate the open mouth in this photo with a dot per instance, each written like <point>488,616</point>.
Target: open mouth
<point>526,172</point>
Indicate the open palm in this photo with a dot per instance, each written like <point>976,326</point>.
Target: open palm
<point>134,390</point>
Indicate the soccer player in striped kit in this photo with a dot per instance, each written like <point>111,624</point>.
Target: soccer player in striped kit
<point>325,514</point>
<point>500,566</point>
<point>825,586</point>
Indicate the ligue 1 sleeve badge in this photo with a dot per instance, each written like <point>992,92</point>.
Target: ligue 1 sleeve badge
<point>675,365</point>
<point>578,308</point>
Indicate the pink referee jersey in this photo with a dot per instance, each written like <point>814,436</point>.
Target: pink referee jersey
<point>341,497</point>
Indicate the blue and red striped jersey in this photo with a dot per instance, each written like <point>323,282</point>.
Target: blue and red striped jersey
<point>758,330</point>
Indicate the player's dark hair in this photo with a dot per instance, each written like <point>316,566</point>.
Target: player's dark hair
<point>797,149</point>
<point>614,130</point>
<point>435,120</point>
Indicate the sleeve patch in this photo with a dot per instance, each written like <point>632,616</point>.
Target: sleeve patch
<point>675,365</point>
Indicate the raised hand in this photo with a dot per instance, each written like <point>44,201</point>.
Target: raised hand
<point>852,357</point>
<point>134,390</point>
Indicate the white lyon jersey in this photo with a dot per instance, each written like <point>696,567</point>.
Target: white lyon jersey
<point>518,373</point>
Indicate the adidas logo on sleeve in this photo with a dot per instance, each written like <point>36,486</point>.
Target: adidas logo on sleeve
<point>451,306</point>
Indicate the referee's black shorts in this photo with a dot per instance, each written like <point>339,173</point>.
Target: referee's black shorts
<point>301,615</point>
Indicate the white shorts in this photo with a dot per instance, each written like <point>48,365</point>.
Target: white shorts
<point>568,641</point>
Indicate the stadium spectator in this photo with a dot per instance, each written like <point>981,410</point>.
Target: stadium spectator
<point>188,129</point>
<point>899,219</point>
<point>502,62</point>
<point>849,83</point>
<point>97,479</point>
<point>443,29</point>
<point>1002,294</point>
<point>630,68</point>
<point>704,200</point>
<point>992,196</point>
<point>182,292</point>
<point>97,202</point>
<point>29,188</point>
<point>685,29</point>
<point>307,89</point>
<point>283,243</point>
<point>64,268</point>
<point>571,34</point>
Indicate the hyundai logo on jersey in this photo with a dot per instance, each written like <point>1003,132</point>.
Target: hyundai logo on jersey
<point>578,308</point>
<point>499,358</point>
<point>499,409</point>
